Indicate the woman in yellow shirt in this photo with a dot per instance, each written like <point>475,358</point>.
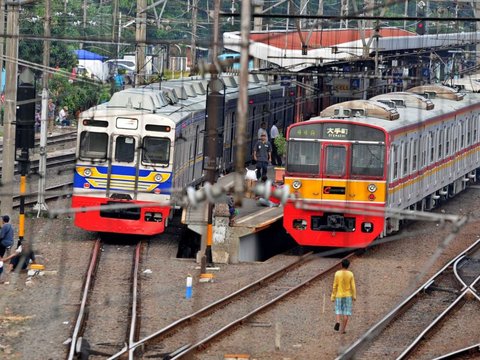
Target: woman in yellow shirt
<point>343,293</point>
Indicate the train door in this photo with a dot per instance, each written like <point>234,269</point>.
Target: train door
<point>334,160</point>
<point>335,165</point>
<point>124,169</point>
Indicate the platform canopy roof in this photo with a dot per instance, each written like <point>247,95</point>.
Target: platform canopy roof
<point>284,48</point>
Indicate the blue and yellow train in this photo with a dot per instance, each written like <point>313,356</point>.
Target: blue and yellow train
<point>145,142</point>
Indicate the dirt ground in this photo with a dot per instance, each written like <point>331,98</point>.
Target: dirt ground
<point>37,313</point>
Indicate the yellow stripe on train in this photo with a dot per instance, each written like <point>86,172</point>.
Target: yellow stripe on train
<point>98,175</point>
<point>337,189</point>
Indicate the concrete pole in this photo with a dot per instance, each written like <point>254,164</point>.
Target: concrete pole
<point>11,66</point>
<point>193,48</point>
<point>140,38</point>
<point>42,167</point>
<point>476,13</point>
<point>2,31</point>
<point>257,24</point>
<point>242,106</point>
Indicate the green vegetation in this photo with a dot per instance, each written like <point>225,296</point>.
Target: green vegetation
<point>281,144</point>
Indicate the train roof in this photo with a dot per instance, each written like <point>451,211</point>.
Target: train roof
<point>410,114</point>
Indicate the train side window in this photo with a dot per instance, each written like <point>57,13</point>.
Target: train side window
<point>448,135</point>
<point>469,130</point>
<point>93,145</point>
<point>475,129</point>
<point>462,135</point>
<point>405,158</point>
<point>124,149</point>
<point>423,152</point>
<point>414,154</point>
<point>431,147</point>
<point>156,150</point>
<point>440,144</point>
<point>395,162</point>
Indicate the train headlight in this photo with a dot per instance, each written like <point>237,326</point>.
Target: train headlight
<point>372,188</point>
<point>158,178</point>
<point>300,224</point>
<point>87,172</point>
<point>297,184</point>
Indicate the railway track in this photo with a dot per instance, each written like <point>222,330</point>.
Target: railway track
<point>410,329</point>
<point>51,193</point>
<point>107,323</point>
<point>55,140</point>
<point>177,339</point>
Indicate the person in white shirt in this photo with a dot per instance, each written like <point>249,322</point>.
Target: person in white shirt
<point>262,130</point>
<point>276,158</point>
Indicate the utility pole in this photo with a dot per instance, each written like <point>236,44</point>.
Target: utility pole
<point>42,168</point>
<point>193,49</point>
<point>257,24</point>
<point>215,114</point>
<point>140,38</point>
<point>10,106</point>
<point>2,31</point>
<point>242,105</point>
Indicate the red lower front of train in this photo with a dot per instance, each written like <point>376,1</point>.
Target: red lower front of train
<point>117,216</point>
<point>333,225</point>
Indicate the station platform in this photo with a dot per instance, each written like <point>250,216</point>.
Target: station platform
<point>230,239</point>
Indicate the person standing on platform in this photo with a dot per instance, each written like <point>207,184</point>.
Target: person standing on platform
<point>262,130</point>
<point>262,154</point>
<point>343,293</point>
<point>274,133</point>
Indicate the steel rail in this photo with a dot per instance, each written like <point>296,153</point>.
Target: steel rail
<point>257,310</point>
<point>75,344</point>
<point>215,304</point>
<point>440,317</point>
<point>464,351</point>
<point>133,333</point>
<point>54,139</point>
<point>379,326</point>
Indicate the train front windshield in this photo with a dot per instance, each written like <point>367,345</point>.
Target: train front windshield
<point>93,145</point>
<point>156,150</point>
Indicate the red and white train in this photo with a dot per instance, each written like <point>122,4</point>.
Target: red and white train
<point>353,166</point>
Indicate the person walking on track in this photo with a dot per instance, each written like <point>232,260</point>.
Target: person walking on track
<point>343,293</point>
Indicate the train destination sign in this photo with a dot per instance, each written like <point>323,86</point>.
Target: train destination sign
<point>336,131</point>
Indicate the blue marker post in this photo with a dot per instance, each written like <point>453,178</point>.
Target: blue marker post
<point>188,292</point>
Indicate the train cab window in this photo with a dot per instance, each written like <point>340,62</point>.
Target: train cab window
<point>303,157</point>
<point>367,160</point>
<point>156,150</point>
<point>93,145</point>
<point>335,160</point>
<point>124,149</point>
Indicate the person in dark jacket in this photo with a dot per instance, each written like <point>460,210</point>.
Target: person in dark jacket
<point>6,235</point>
